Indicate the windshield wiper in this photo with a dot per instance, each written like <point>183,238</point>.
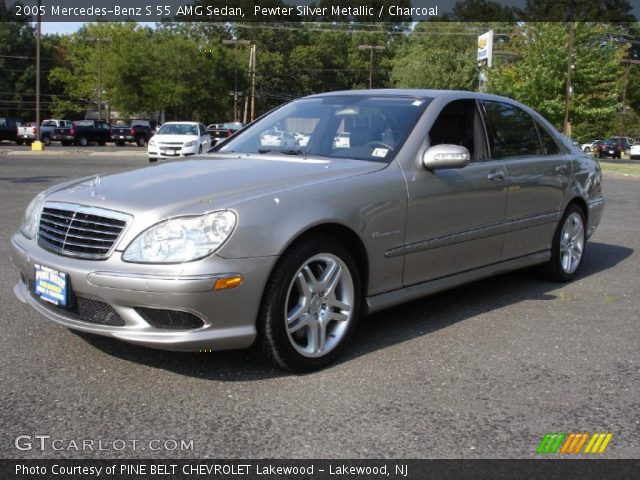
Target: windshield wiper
<point>276,150</point>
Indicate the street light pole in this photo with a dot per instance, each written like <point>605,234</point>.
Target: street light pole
<point>235,42</point>
<point>371,48</point>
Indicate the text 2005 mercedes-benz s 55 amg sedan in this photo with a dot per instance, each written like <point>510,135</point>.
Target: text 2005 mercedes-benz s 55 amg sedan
<point>375,198</point>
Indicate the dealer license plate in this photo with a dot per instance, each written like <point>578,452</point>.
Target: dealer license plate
<point>51,285</point>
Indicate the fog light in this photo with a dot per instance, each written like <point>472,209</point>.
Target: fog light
<point>227,282</point>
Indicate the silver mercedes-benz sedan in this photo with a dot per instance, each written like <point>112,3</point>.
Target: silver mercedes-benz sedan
<point>284,246</point>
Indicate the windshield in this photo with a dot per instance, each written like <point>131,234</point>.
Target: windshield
<point>178,129</point>
<point>351,126</point>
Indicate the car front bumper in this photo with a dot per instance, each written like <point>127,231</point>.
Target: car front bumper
<point>161,152</point>
<point>229,316</point>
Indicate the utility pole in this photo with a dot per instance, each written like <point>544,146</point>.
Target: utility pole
<point>568,91</point>
<point>38,35</point>
<point>99,42</point>
<point>627,65</point>
<point>253,82</point>
<point>371,48</point>
<point>235,42</point>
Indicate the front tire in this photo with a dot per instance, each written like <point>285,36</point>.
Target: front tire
<point>569,242</point>
<point>46,140</point>
<point>152,160</point>
<point>84,141</point>
<point>310,306</point>
<point>141,142</point>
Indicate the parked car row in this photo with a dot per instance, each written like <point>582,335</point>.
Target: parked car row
<point>82,132</point>
<point>614,147</point>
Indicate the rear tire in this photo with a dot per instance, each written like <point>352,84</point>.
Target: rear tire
<point>141,142</point>
<point>83,141</point>
<point>568,248</point>
<point>310,306</point>
<point>46,140</point>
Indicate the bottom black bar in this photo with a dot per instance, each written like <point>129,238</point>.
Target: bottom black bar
<point>318,469</point>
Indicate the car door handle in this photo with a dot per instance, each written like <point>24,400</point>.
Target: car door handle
<point>496,176</point>
<point>562,169</point>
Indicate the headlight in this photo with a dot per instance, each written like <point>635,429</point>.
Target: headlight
<point>190,144</point>
<point>29,223</point>
<point>152,143</point>
<point>182,239</point>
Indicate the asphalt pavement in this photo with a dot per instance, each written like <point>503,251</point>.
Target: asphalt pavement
<point>481,371</point>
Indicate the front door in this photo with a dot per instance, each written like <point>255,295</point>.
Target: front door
<point>455,215</point>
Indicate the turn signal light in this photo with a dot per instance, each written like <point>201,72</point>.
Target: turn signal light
<point>227,282</point>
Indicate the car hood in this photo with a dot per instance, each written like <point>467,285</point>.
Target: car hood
<point>199,185</point>
<point>175,138</point>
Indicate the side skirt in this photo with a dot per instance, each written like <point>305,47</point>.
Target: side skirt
<point>413,292</point>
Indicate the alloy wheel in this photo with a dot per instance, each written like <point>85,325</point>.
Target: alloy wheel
<point>572,243</point>
<point>319,305</point>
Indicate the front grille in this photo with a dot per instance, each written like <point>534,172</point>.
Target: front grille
<point>170,144</point>
<point>84,309</point>
<point>78,231</point>
<point>169,319</point>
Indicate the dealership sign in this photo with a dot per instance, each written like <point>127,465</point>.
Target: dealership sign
<point>485,47</point>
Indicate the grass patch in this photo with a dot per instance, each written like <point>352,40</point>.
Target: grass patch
<point>630,169</point>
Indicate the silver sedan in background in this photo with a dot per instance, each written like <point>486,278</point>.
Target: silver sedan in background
<point>283,247</point>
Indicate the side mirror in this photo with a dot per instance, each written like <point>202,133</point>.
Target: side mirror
<point>445,156</point>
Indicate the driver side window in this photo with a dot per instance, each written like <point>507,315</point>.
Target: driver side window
<point>460,123</point>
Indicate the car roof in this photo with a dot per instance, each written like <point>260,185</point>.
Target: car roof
<point>413,92</point>
<point>180,123</point>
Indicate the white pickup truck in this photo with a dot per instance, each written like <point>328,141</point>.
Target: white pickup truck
<point>27,133</point>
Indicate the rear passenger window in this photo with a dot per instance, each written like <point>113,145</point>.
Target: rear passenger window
<point>512,132</point>
<point>548,143</point>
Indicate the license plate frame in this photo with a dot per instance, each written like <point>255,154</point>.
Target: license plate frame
<point>51,285</point>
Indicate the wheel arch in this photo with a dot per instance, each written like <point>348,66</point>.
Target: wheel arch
<point>580,202</point>
<point>345,235</point>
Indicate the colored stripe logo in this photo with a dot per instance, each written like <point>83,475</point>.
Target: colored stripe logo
<point>573,443</point>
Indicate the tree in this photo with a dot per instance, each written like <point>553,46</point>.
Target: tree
<point>538,76</point>
<point>439,57</point>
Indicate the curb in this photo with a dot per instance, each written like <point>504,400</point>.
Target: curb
<point>75,153</point>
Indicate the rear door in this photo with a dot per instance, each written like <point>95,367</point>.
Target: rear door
<point>538,172</point>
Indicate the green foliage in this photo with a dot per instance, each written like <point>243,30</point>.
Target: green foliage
<point>438,58</point>
<point>185,70</point>
<point>538,75</point>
